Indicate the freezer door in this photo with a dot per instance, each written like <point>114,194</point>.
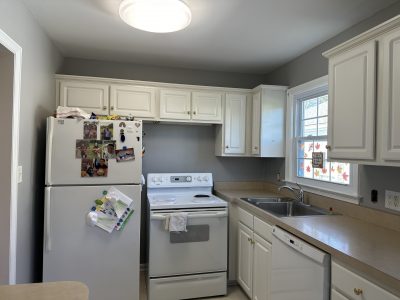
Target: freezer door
<point>64,168</point>
<point>107,263</point>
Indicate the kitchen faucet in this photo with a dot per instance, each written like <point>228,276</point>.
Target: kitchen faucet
<point>299,193</point>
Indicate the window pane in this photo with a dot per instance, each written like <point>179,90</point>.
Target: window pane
<point>323,106</point>
<point>322,174</point>
<point>300,167</point>
<point>309,127</point>
<point>310,108</point>
<point>320,146</point>
<point>340,172</point>
<point>308,169</point>
<point>305,149</point>
<point>323,126</point>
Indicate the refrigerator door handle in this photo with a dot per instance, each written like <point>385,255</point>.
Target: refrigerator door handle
<point>49,150</point>
<point>47,231</point>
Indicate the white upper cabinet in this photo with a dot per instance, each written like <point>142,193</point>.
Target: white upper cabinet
<point>364,97</point>
<point>235,123</point>
<point>91,97</point>
<point>207,106</point>
<point>390,130</point>
<point>175,104</point>
<point>351,122</point>
<point>268,121</point>
<point>139,101</point>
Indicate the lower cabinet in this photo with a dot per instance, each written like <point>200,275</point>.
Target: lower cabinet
<point>347,285</point>
<point>254,256</point>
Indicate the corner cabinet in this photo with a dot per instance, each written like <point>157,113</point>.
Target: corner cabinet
<point>254,255</point>
<point>364,97</point>
<point>268,121</point>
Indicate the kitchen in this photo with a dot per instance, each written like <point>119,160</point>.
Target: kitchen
<point>167,145</point>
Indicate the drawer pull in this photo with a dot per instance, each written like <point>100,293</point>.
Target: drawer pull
<point>357,291</point>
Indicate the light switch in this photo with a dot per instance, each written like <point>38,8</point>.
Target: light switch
<point>19,174</point>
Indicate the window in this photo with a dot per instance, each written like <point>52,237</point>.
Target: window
<point>307,123</point>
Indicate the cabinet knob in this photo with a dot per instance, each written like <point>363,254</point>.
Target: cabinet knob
<point>255,147</point>
<point>358,291</point>
<point>188,112</point>
<point>112,107</point>
<point>227,147</point>
<point>328,147</point>
<point>194,112</point>
<point>104,107</point>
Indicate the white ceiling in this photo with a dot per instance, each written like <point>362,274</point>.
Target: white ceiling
<point>251,36</point>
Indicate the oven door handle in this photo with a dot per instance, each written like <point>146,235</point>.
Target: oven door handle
<point>220,214</point>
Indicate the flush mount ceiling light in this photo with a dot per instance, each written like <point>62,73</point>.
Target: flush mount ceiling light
<point>159,16</point>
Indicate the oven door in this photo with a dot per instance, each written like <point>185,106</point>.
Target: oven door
<point>203,248</point>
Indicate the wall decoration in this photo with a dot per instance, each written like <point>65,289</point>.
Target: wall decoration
<point>318,160</point>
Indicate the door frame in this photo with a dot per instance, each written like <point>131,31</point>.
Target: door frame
<point>14,48</point>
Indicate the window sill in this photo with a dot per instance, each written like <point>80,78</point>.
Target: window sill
<point>350,198</point>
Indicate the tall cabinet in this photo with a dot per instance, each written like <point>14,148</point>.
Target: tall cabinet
<point>364,97</point>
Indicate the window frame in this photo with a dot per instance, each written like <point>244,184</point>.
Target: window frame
<point>348,193</point>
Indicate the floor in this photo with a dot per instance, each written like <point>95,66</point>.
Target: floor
<point>234,292</point>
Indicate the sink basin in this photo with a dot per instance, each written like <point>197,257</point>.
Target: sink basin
<point>291,209</point>
<point>258,201</point>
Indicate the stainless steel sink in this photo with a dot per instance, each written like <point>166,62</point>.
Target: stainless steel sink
<point>257,201</point>
<point>291,209</point>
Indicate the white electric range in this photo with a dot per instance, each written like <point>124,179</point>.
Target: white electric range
<point>190,264</point>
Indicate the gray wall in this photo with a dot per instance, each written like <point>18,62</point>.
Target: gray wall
<point>312,65</point>
<point>40,60</point>
<point>6,105</point>
<point>86,67</point>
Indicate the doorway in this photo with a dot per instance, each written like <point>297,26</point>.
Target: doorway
<point>6,106</point>
<point>10,91</point>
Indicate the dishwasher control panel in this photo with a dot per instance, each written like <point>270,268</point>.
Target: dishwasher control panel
<point>299,245</point>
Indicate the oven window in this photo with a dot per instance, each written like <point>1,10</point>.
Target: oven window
<point>194,233</point>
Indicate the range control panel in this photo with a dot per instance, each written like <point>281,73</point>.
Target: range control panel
<point>179,180</point>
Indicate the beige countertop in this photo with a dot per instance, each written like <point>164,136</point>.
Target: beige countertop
<point>62,290</point>
<point>362,246</point>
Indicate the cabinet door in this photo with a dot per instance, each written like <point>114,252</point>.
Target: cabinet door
<point>391,96</point>
<point>175,104</point>
<point>261,268</point>
<point>351,122</point>
<point>235,124</point>
<point>245,259</point>
<point>256,125</point>
<point>139,101</point>
<point>91,97</point>
<point>335,295</point>
<point>207,106</point>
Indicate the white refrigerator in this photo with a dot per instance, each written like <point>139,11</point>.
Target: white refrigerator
<point>84,158</point>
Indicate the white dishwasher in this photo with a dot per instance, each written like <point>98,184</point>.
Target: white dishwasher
<point>299,271</point>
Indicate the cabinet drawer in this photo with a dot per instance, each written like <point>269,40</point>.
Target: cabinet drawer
<point>263,229</point>
<point>349,283</point>
<point>246,218</point>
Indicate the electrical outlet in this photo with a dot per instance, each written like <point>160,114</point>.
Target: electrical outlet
<point>392,200</point>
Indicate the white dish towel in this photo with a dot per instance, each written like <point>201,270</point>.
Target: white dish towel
<point>176,222</point>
